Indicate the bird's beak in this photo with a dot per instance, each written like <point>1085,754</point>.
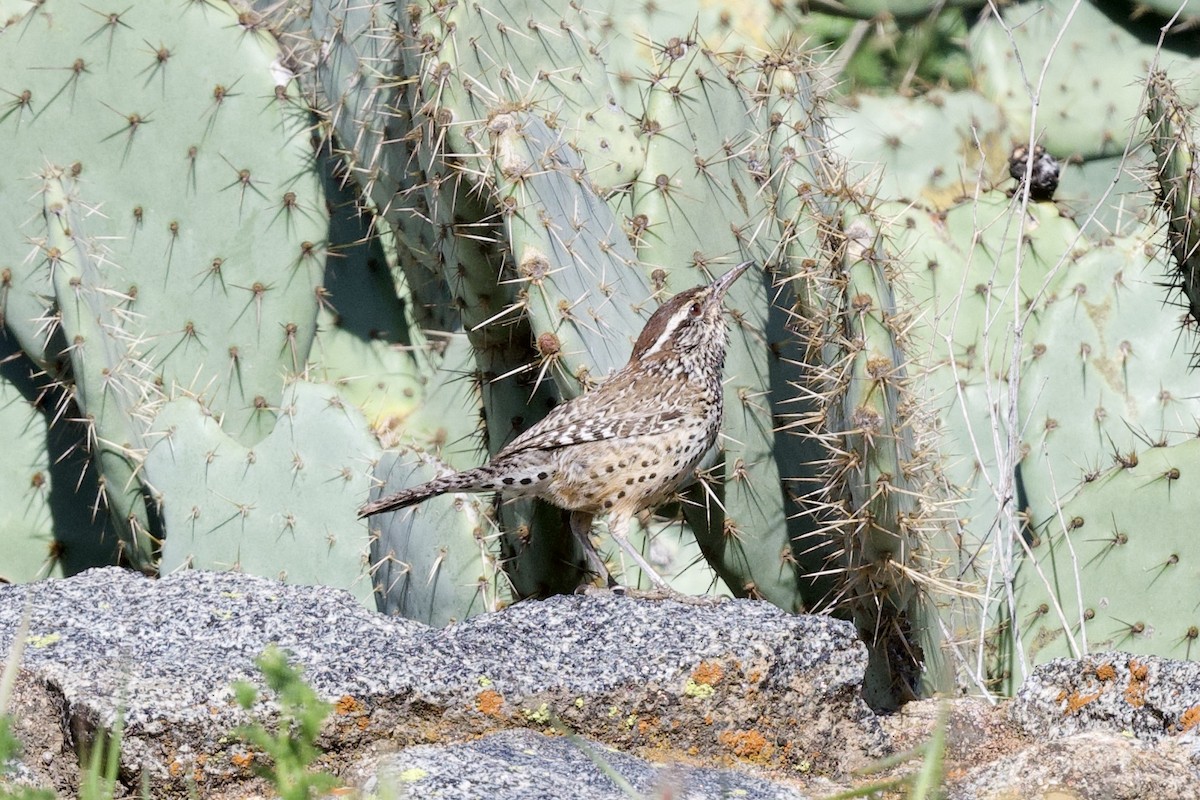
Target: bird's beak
<point>722,284</point>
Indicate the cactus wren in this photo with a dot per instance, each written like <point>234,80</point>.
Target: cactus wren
<point>628,444</point>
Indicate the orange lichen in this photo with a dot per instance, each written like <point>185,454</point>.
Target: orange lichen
<point>242,760</point>
<point>1189,719</point>
<point>746,744</point>
<point>1106,672</point>
<point>708,673</point>
<point>349,705</point>
<point>1135,693</point>
<point>176,768</point>
<point>1076,701</point>
<point>489,702</point>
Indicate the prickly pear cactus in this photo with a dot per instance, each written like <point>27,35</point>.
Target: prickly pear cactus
<point>202,212</point>
<point>550,178</point>
<point>283,507</point>
<point>1093,71</point>
<point>1105,373</point>
<point>934,149</point>
<point>366,344</point>
<point>26,523</point>
<point>434,563</point>
<point>197,206</point>
<point>1106,386</point>
<point>1174,138</point>
<point>110,382</point>
<point>1114,568</point>
<point>499,138</point>
<point>876,482</point>
<point>45,528</point>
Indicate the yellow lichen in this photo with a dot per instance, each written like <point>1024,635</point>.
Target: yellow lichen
<point>412,775</point>
<point>540,715</point>
<point>42,640</point>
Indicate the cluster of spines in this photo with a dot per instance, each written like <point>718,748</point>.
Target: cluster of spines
<point>191,265</point>
<point>108,382</point>
<point>1176,144</point>
<point>880,495</point>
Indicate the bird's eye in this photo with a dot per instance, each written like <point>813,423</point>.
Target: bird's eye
<point>696,310</point>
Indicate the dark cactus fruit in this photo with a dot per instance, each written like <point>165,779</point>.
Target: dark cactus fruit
<point>1043,177</point>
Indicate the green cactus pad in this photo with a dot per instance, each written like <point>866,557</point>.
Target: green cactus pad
<point>961,282</point>
<point>1107,196</point>
<point>934,149</point>
<point>365,343</point>
<point>1093,82</point>
<point>1116,567</point>
<point>1106,373</point>
<point>194,147</point>
<point>634,45</point>
<point>112,384</point>
<point>13,11</point>
<point>26,524</point>
<point>436,563</point>
<point>582,285</point>
<point>46,530</point>
<point>355,58</point>
<point>284,508</point>
<point>881,476</point>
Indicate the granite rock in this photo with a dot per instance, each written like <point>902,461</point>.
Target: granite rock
<point>524,765</point>
<point>738,681</point>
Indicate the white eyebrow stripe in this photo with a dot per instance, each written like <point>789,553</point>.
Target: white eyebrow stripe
<point>668,330</point>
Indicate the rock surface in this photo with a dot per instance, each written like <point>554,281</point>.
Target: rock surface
<point>1086,765</point>
<point>734,681</point>
<point>1149,697</point>
<point>527,764</point>
<point>677,700</point>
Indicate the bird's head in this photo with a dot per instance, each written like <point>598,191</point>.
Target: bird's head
<point>689,320</point>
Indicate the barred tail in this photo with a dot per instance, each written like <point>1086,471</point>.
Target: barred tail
<point>480,479</point>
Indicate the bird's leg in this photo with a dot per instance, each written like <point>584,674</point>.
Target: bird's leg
<point>618,526</point>
<point>581,526</point>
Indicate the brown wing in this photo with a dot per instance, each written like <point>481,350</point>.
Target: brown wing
<point>611,411</point>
